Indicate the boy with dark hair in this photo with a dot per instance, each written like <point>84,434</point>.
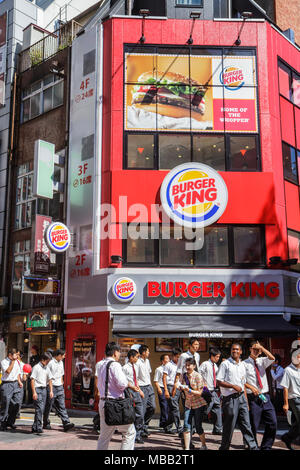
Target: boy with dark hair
<point>208,370</point>
<point>165,422</point>
<point>56,367</point>
<point>169,375</point>
<point>40,378</point>
<point>130,369</point>
<point>10,390</point>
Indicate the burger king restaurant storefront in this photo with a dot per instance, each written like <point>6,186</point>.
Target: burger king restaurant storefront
<point>216,307</point>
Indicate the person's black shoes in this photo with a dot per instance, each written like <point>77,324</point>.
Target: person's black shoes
<point>170,431</point>
<point>38,433</point>
<point>3,427</point>
<point>145,435</point>
<point>68,426</point>
<point>217,433</point>
<point>47,426</point>
<point>139,440</point>
<point>11,426</point>
<point>287,442</point>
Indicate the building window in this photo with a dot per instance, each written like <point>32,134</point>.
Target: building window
<point>230,246</point>
<point>25,202</point>
<point>42,96</point>
<point>290,162</point>
<point>223,152</point>
<point>289,83</point>
<point>179,100</point>
<point>248,245</point>
<point>21,267</point>
<point>294,248</point>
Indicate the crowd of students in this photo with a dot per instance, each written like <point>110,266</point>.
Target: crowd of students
<point>235,392</point>
<point>46,385</point>
<point>230,391</point>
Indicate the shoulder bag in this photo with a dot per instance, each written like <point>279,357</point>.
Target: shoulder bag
<point>117,411</point>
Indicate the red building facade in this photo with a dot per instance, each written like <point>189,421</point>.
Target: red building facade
<point>256,153</point>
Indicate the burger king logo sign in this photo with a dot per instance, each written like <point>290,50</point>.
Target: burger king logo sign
<point>194,195</point>
<point>232,78</point>
<point>124,289</point>
<point>58,237</point>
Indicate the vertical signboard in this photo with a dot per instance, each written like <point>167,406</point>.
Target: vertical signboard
<point>43,169</point>
<point>83,152</point>
<point>3,51</point>
<point>83,372</point>
<point>41,260</point>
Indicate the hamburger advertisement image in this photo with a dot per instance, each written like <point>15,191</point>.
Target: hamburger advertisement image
<point>197,92</point>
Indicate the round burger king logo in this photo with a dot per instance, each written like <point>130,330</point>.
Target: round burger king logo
<point>124,289</point>
<point>194,195</point>
<point>58,237</point>
<point>232,78</point>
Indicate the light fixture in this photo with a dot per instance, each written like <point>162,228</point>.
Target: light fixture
<point>57,69</point>
<point>290,262</point>
<point>275,260</point>
<point>144,13</point>
<point>116,259</point>
<point>194,15</point>
<point>245,15</point>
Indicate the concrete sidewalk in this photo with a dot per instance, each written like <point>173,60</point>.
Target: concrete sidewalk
<point>84,437</point>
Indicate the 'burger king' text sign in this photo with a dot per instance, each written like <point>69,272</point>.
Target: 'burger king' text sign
<point>58,237</point>
<point>194,195</point>
<point>124,289</point>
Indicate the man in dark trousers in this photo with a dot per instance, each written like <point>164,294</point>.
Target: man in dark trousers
<point>11,390</point>
<point>144,382</point>
<point>172,393</point>
<point>260,405</point>
<point>130,369</point>
<point>56,367</point>
<point>231,378</point>
<point>40,378</point>
<point>209,370</point>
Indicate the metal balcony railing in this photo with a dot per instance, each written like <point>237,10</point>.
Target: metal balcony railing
<point>48,46</point>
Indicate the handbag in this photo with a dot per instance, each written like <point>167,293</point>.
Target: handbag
<point>117,411</point>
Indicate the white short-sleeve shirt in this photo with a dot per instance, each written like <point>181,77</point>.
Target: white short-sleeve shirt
<point>181,369</point>
<point>41,375</point>
<point>206,370</point>
<point>144,372</point>
<point>170,370</point>
<point>262,364</point>
<point>158,376</point>
<point>233,373</point>
<point>291,381</point>
<point>57,371</point>
<point>14,373</point>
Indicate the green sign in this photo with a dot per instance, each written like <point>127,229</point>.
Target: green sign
<point>43,169</point>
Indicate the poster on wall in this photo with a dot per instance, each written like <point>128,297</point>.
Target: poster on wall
<point>83,372</point>
<point>199,93</point>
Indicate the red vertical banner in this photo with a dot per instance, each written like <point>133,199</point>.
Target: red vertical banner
<point>41,262</point>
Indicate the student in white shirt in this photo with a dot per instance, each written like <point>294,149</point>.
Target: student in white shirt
<point>277,372</point>
<point>10,390</point>
<point>260,405</point>
<point>291,396</point>
<point>117,383</point>
<point>165,420</point>
<point>144,381</point>
<point>56,367</point>
<point>40,378</point>
<point>209,370</point>
<point>171,394</point>
<point>231,378</point>
<point>130,369</point>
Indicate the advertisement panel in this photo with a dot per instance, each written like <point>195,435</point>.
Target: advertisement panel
<point>83,372</point>
<point>190,92</point>
<point>84,176</point>
<point>41,255</point>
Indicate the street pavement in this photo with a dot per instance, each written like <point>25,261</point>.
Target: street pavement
<point>84,437</point>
